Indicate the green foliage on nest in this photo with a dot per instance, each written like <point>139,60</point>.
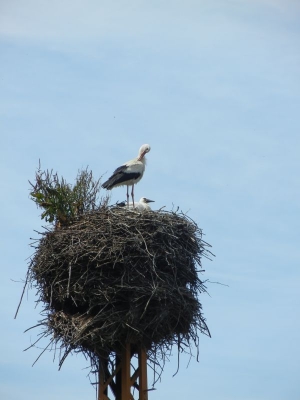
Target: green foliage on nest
<point>62,201</point>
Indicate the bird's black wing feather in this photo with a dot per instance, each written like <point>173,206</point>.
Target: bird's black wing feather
<point>122,168</point>
<point>111,179</point>
<point>120,176</point>
<point>124,177</point>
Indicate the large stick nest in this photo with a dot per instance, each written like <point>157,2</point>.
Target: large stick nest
<point>116,275</point>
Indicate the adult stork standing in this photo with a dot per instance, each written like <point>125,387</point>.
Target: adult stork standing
<point>129,173</point>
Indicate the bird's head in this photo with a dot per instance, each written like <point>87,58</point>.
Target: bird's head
<point>145,200</point>
<point>143,150</point>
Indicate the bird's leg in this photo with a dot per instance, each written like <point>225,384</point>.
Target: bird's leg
<point>127,196</point>
<point>132,195</point>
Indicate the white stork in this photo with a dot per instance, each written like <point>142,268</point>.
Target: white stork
<point>142,205</point>
<point>129,173</point>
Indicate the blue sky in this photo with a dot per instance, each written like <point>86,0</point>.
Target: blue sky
<point>213,87</point>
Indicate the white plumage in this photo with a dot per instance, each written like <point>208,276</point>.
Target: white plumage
<point>129,173</point>
<point>142,204</point>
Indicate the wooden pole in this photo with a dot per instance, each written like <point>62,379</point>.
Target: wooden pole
<point>143,385</point>
<point>125,373</point>
<point>102,386</point>
<point>120,380</point>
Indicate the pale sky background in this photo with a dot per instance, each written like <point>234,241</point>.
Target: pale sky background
<point>214,87</point>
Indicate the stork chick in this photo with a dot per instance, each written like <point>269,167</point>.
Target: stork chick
<point>142,205</point>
